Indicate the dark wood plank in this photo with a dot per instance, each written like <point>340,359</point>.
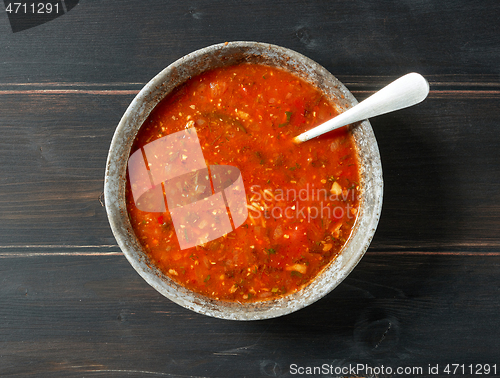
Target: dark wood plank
<point>440,160</point>
<point>53,154</point>
<point>129,41</point>
<point>442,174</point>
<point>94,316</point>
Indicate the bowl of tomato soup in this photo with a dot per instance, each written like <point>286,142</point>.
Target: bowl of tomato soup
<point>213,204</point>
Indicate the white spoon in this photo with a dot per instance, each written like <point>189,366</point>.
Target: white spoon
<point>406,91</point>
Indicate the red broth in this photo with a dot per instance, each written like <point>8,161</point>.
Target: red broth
<point>302,200</point>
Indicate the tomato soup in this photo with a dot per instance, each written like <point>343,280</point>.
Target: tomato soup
<point>297,204</point>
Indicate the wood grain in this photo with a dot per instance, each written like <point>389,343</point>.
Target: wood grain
<point>101,41</point>
<point>94,316</point>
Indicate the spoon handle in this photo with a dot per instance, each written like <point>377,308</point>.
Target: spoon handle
<point>406,91</point>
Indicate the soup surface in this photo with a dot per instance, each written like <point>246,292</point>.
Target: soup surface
<point>287,210</point>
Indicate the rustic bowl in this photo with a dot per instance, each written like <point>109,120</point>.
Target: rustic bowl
<point>176,74</point>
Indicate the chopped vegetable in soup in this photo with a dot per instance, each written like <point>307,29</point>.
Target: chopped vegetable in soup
<point>301,200</point>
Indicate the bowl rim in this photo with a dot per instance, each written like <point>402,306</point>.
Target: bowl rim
<point>145,101</point>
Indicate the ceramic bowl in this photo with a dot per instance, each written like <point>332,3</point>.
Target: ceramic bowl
<point>176,74</point>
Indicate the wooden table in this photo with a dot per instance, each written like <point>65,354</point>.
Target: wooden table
<point>425,294</point>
